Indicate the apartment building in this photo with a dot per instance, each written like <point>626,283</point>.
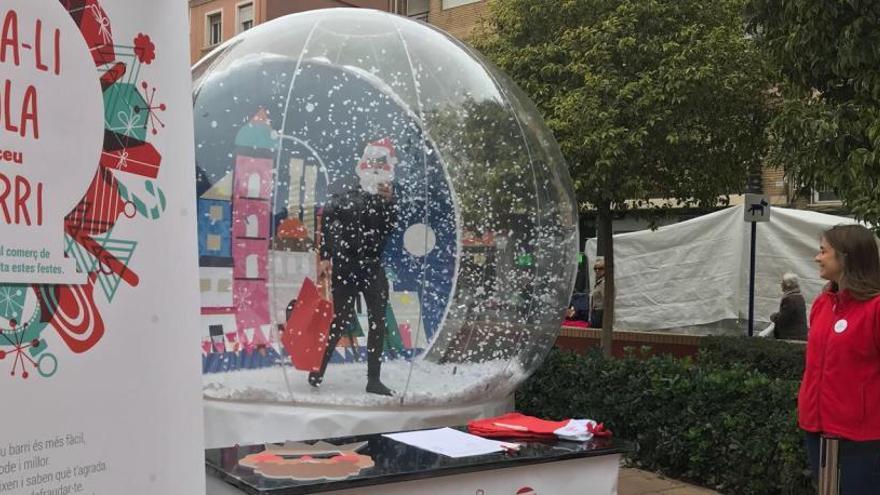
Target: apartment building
<point>214,21</point>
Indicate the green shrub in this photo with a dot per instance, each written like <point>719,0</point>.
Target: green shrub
<point>774,358</point>
<point>731,429</point>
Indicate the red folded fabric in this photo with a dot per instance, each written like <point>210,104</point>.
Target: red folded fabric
<point>515,425</point>
<point>599,430</point>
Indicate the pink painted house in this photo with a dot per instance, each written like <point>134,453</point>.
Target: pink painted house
<point>251,216</point>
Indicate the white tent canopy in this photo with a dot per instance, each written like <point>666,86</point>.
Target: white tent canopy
<point>697,272</point>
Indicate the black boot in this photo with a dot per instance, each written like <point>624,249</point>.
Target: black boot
<point>315,379</point>
<point>375,386</point>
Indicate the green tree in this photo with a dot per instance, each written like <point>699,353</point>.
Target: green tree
<point>827,130</point>
<point>472,135</point>
<point>647,98</point>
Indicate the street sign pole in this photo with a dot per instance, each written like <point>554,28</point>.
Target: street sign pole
<point>756,209</point>
<point>752,281</point>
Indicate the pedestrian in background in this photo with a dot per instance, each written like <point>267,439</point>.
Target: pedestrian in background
<point>597,295</point>
<point>790,322</point>
<point>839,396</point>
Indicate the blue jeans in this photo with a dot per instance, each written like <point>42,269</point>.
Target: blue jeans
<point>859,464</point>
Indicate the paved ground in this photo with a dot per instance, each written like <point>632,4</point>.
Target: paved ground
<point>638,482</point>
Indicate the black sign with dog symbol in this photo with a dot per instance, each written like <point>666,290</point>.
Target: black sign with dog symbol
<point>758,208</point>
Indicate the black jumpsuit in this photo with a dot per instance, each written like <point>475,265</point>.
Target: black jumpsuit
<point>354,229</point>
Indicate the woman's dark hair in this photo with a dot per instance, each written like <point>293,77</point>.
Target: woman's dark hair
<point>856,250</point>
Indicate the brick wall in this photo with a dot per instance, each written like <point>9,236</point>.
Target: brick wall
<point>581,340</point>
<point>774,186</point>
<point>458,21</point>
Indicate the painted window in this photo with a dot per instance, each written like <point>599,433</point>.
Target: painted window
<point>252,266</point>
<point>253,186</point>
<point>252,226</point>
<point>214,242</point>
<point>216,213</point>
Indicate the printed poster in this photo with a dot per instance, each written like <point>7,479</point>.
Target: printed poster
<point>98,254</point>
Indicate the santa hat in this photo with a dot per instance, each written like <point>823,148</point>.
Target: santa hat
<point>378,154</point>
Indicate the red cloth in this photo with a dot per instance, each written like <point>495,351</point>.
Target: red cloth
<point>515,425</point>
<point>840,392</point>
<point>599,430</point>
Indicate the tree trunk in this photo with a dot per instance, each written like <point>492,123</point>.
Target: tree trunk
<point>607,240</point>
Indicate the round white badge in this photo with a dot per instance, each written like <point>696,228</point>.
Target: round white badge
<point>840,326</point>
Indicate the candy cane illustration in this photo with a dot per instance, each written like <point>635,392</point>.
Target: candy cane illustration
<point>150,208</point>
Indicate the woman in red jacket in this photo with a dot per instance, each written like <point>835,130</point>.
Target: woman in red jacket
<point>840,393</point>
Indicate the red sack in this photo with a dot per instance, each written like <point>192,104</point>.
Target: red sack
<point>307,330</point>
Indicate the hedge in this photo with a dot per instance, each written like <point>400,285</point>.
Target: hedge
<point>774,358</point>
<point>730,429</point>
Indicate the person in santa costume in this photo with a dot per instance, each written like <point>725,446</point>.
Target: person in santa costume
<point>839,398</point>
<point>354,228</point>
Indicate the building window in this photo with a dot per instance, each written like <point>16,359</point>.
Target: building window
<point>224,285</point>
<point>214,28</point>
<point>245,17</point>
<point>825,195</point>
<point>448,4</point>
<point>417,9</point>
<point>205,284</point>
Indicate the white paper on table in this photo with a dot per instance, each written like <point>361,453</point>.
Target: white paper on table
<point>450,442</point>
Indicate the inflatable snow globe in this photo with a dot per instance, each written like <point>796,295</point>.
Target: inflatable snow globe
<point>385,222</point>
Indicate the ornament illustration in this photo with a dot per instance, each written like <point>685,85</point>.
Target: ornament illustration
<point>122,188</point>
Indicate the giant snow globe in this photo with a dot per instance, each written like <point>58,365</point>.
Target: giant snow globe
<point>385,224</point>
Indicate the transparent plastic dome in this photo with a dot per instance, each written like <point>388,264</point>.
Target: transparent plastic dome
<point>362,158</point>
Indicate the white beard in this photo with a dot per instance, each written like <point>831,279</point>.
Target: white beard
<point>370,180</point>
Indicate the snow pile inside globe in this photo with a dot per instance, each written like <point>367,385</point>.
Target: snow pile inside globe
<point>380,211</point>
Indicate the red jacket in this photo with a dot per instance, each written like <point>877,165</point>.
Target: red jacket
<point>840,392</point>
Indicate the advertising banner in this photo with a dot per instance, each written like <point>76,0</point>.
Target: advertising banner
<point>98,254</point>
